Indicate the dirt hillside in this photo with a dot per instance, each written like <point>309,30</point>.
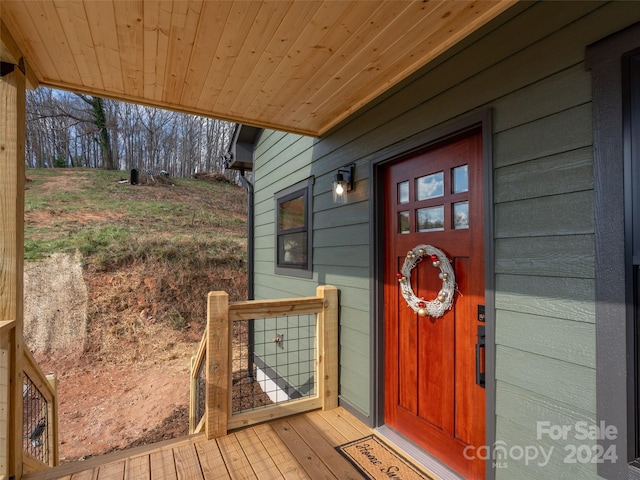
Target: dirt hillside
<point>116,307</point>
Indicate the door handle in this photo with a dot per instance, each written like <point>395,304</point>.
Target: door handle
<point>480,348</point>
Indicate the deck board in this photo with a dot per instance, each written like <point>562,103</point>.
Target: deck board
<point>300,447</point>
<point>261,462</point>
<point>346,423</point>
<point>235,458</point>
<point>323,447</point>
<point>305,455</point>
<point>211,460</point>
<point>287,464</point>
<point>328,430</point>
<point>84,475</point>
<point>187,464</point>
<point>137,468</point>
<point>163,465</point>
<point>111,471</point>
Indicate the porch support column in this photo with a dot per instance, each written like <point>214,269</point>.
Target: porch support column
<point>12,178</point>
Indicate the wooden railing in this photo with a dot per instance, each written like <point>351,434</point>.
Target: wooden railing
<point>7,345</point>
<point>38,448</point>
<point>40,417</point>
<point>211,369</point>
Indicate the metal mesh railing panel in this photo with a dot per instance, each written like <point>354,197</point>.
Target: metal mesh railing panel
<point>201,390</point>
<point>35,421</point>
<point>273,361</point>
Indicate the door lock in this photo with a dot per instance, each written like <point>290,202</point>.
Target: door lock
<point>481,313</point>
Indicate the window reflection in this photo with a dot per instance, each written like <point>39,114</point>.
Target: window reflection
<point>403,192</point>
<point>291,214</point>
<point>430,219</point>
<point>461,215</point>
<point>403,222</point>
<point>292,249</point>
<point>430,186</point>
<point>461,179</point>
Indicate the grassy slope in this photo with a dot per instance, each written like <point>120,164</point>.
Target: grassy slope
<point>151,253</point>
<point>89,210</point>
<point>182,239</point>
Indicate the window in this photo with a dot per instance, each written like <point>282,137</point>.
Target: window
<point>293,230</point>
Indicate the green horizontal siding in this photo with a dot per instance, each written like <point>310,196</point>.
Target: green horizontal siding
<point>358,372</point>
<point>556,174</point>
<point>554,297</point>
<point>555,93</point>
<point>563,382</point>
<point>561,132</point>
<point>519,411</point>
<point>549,256</point>
<point>355,319</point>
<point>528,68</point>
<point>517,467</point>
<point>566,214</point>
<point>571,341</point>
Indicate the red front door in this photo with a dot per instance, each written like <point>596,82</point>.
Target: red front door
<point>432,396</point>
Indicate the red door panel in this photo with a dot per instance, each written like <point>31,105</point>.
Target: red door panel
<point>431,396</point>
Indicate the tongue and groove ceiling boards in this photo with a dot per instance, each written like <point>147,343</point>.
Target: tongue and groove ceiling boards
<point>298,66</point>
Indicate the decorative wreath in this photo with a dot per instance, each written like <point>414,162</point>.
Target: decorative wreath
<point>444,301</point>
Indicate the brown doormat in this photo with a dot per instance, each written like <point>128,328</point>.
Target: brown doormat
<point>376,460</point>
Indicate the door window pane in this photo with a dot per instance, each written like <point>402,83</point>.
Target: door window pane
<point>430,186</point>
<point>461,179</point>
<point>461,215</point>
<point>403,222</point>
<point>403,192</point>
<point>430,219</point>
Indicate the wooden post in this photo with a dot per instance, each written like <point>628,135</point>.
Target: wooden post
<point>12,177</point>
<point>328,339</point>
<point>54,455</point>
<point>192,396</point>
<point>7,329</point>
<point>218,365</point>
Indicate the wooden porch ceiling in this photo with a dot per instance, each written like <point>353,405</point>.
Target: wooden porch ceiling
<point>293,65</point>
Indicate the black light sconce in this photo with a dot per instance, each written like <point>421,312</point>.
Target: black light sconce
<point>343,183</point>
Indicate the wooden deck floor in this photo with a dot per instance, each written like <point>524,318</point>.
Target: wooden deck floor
<point>298,447</point>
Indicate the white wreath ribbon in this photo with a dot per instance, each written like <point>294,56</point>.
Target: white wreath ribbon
<point>444,301</point>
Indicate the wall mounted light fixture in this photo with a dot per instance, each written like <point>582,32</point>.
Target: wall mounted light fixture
<point>343,183</point>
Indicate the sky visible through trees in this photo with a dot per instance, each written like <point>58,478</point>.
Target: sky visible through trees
<point>67,129</point>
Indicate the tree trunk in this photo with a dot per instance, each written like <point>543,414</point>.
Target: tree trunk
<point>104,140</point>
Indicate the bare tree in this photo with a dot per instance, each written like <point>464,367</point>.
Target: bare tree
<point>77,130</point>
<point>99,119</point>
<point>48,134</point>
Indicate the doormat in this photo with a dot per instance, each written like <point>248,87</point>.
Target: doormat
<point>376,460</point>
